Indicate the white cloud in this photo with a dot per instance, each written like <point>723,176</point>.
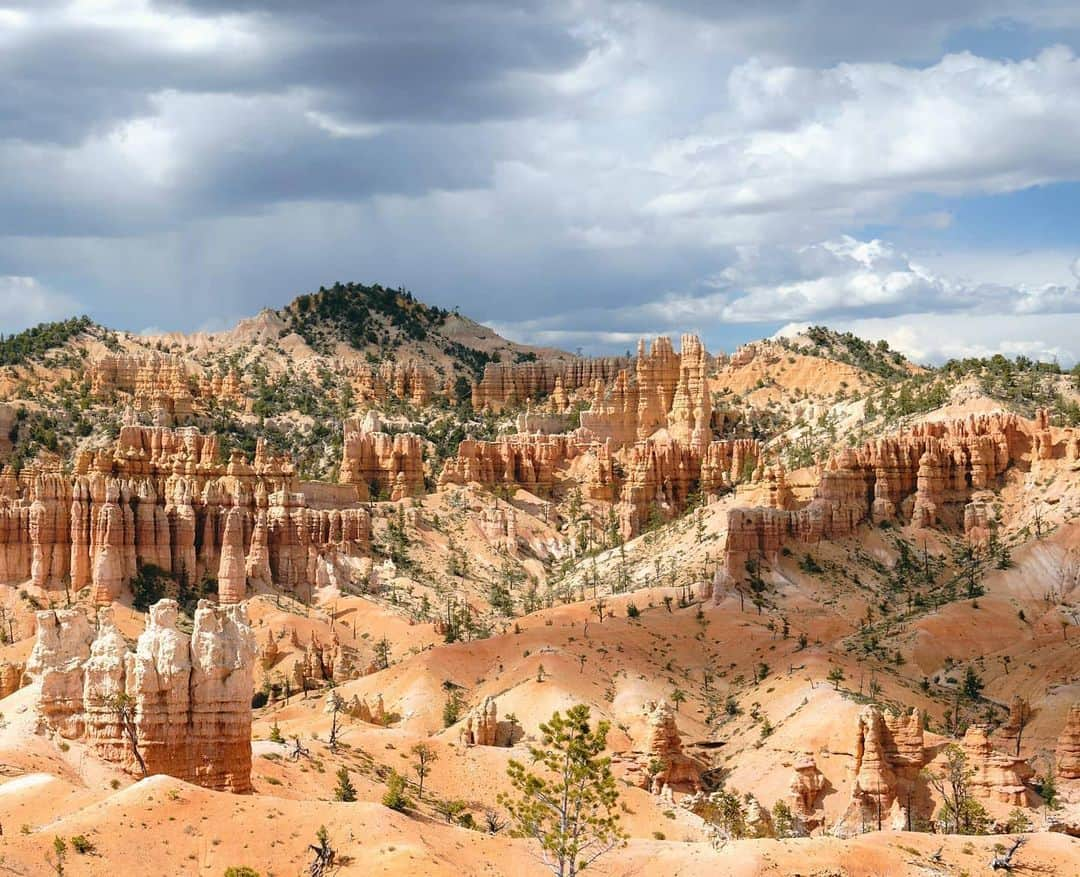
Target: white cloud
<point>25,302</point>
<point>845,278</point>
<point>868,287</point>
<point>863,134</point>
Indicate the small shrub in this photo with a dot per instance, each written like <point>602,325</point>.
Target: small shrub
<point>82,845</point>
<point>395,797</point>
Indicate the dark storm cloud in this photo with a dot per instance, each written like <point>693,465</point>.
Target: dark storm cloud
<point>374,61</point>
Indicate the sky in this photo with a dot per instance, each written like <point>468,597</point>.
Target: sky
<point>574,173</point>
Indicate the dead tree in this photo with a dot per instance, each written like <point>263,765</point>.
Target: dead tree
<point>494,822</point>
<point>299,750</point>
<point>336,705</point>
<point>324,854</point>
<point>1003,861</point>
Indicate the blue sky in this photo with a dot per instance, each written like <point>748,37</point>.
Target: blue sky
<point>552,167</point>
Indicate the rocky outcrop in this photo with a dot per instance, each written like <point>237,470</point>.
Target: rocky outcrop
<point>7,424</point>
<point>667,390</point>
<point>222,658</point>
<point>504,385</point>
<point>807,784</point>
<point>660,475</point>
<point>926,475</point>
<point>995,775</point>
<point>189,697</point>
<point>61,648</point>
<point>11,678</point>
<point>498,524</point>
<point>1067,756</point>
<point>527,461</point>
<point>889,754</point>
<point>481,727</point>
<point>232,571</point>
<point>1012,731</point>
<point>268,651</point>
<point>257,563</point>
<point>380,464</point>
<point>155,382</point>
<point>410,382</point>
<point>163,497</point>
<point>668,766</point>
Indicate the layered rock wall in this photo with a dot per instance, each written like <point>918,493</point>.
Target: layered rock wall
<point>926,476</point>
<point>504,385</point>
<point>188,699</point>
<point>162,497</point>
<point>380,463</point>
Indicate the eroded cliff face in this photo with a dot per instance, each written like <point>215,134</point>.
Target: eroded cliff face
<point>161,384</point>
<point>927,476</point>
<point>503,385</point>
<point>379,463</point>
<point>411,382</point>
<point>161,496</point>
<point>995,775</point>
<point>188,698</point>
<point>527,461</point>
<point>644,444</point>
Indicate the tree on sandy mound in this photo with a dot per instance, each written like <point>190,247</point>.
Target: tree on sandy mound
<point>571,808</point>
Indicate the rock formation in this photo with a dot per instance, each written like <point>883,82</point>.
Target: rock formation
<point>410,382</point>
<point>380,463</point>
<point>1067,756</point>
<point>190,696</point>
<point>527,461</point>
<point>163,385</point>
<point>925,475</point>
<point>497,523</point>
<point>481,727</point>
<point>232,571</point>
<point>667,764</point>
<point>503,385</point>
<point>11,678</point>
<point>806,787</point>
<point>163,497</point>
<point>889,754</point>
<point>996,776</point>
<point>61,648</point>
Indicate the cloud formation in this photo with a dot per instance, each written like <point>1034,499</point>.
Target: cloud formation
<point>551,166</point>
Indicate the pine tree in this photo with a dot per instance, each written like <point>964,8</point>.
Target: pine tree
<point>345,790</point>
<point>571,810</point>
